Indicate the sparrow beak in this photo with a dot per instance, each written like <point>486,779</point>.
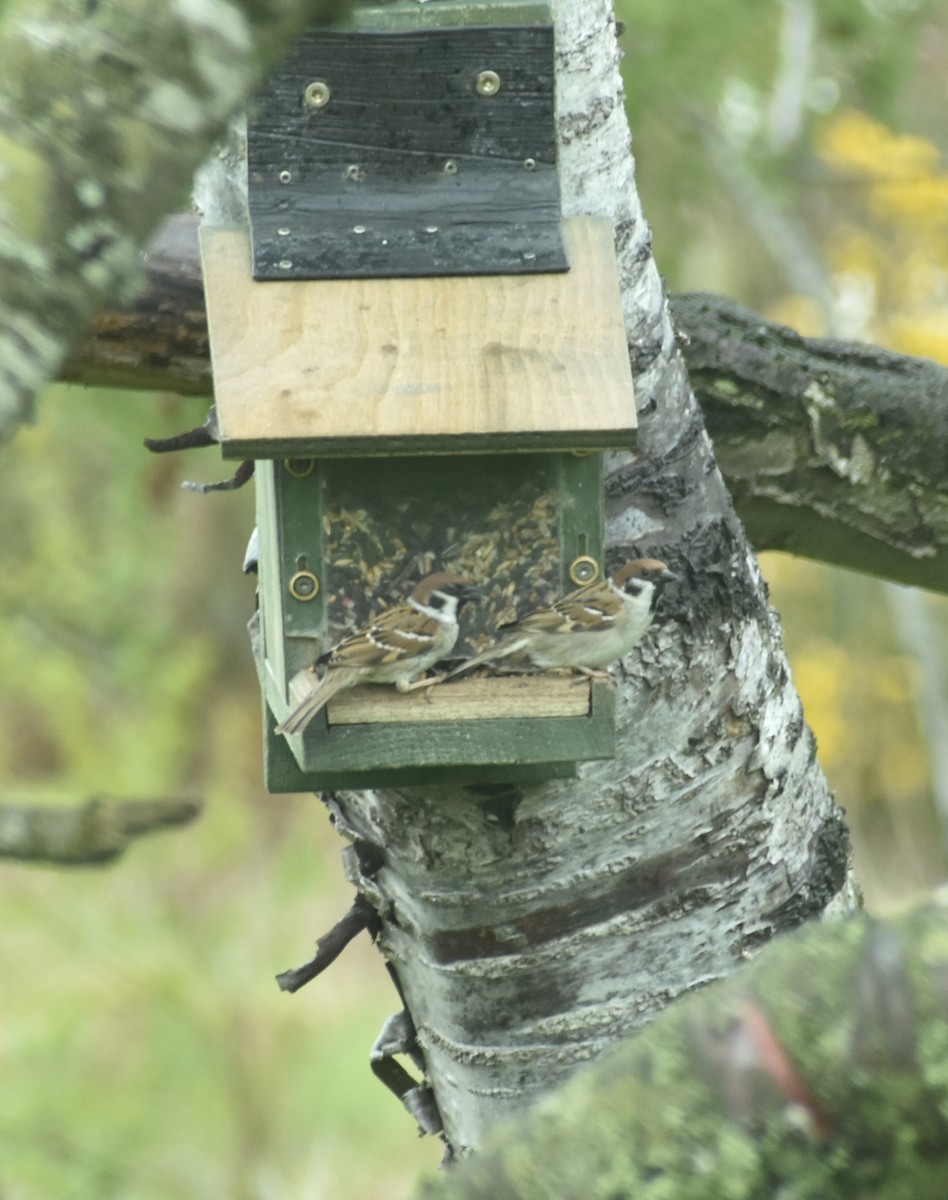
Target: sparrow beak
<point>469,592</point>
<point>667,576</point>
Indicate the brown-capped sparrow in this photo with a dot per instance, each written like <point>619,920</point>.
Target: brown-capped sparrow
<point>396,647</point>
<point>591,627</point>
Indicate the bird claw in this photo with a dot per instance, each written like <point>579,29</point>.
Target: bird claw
<point>428,684</point>
<point>594,673</point>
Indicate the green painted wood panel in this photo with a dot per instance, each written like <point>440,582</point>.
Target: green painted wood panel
<point>368,531</point>
<point>525,749</point>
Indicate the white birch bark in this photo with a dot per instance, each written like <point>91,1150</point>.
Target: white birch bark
<point>531,927</point>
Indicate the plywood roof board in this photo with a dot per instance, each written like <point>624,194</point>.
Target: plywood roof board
<point>419,365</point>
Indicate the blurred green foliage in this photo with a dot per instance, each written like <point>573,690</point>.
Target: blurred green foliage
<point>710,93</point>
<point>863,696</point>
<point>146,1050</point>
<point>796,134</point>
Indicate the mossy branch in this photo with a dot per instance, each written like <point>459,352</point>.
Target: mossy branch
<point>105,112</point>
<point>87,834</point>
<point>833,450</point>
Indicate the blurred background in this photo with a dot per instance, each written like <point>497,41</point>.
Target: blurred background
<point>791,154</point>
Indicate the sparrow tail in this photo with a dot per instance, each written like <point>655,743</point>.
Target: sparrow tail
<point>501,650</point>
<point>335,680</point>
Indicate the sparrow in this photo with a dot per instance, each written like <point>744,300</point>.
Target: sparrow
<point>396,647</point>
<point>589,628</point>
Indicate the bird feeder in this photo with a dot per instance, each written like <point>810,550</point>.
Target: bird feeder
<point>426,362</point>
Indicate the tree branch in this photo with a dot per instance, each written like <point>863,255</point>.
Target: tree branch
<point>831,450</point>
<point>132,98</point>
<point>88,834</point>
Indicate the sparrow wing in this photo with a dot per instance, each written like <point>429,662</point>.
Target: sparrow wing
<point>398,634</point>
<point>589,609</point>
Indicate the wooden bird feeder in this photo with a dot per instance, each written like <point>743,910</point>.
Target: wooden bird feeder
<point>426,361</point>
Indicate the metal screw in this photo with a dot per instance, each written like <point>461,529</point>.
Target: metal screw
<point>529,164</point>
<point>285,263</point>
<point>583,570</point>
<point>529,255</point>
<point>358,229</point>
<point>300,467</point>
<point>431,229</point>
<point>303,586</point>
<point>317,95</point>
<point>487,83</point>
<point>285,176</point>
<point>283,232</point>
<point>353,171</point>
<point>450,167</point>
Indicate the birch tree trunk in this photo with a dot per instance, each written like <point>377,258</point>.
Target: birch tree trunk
<point>530,927</point>
<point>817,1073</point>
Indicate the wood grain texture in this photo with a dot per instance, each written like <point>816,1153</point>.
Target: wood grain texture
<point>459,363</point>
<point>387,16</point>
<point>465,700</point>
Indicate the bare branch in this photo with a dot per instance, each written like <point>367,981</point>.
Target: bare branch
<point>88,834</point>
<point>328,948</point>
<point>77,201</point>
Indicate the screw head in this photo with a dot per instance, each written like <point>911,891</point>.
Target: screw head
<point>583,570</point>
<point>300,467</point>
<point>487,83</point>
<point>317,95</point>
<point>304,586</point>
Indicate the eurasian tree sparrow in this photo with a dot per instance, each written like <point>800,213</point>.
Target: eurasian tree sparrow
<point>589,628</point>
<point>397,647</point>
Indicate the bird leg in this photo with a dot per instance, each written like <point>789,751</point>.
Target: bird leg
<point>428,684</point>
<point>593,673</point>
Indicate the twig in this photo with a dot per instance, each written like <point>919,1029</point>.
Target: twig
<point>328,948</point>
